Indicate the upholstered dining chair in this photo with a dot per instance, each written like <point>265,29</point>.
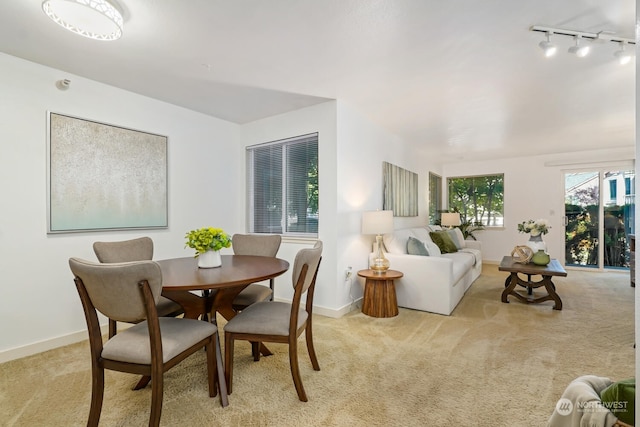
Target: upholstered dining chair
<point>280,322</point>
<point>140,249</point>
<point>259,245</point>
<point>128,292</point>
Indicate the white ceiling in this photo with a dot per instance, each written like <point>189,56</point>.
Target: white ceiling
<point>461,77</point>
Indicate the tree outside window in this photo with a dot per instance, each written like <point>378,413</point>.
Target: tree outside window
<point>479,199</point>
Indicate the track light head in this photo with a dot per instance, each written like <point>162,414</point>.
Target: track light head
<point>623,56</point>
<point>577,50</point>
<point>549,48</point>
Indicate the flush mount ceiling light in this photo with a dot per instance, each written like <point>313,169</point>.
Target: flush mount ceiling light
<point>95,19</point>
<point>549,48</point>
<point>580,49</point>
<point>577,50</point>
<point>624,56</point>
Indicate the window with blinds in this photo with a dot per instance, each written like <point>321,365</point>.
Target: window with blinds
<point>282,186</point>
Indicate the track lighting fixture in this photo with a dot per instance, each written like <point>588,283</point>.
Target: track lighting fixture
<point>583,42</point>
<point>549,48</point>
<point>577,50</point>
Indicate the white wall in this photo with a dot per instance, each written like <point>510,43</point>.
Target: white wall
<point>352,150</point>
<point>534,188</point>
<point>637,219</point>
<point>362,147</point>
<point>39,301</point>
<point>319,118</point>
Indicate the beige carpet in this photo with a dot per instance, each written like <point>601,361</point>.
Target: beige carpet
<point>489,364</point>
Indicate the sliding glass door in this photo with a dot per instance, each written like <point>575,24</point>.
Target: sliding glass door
<point>599,212</point>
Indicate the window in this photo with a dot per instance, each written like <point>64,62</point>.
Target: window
<point>627,186</point>
<point>613,189</point>
<point>435,197</point>
<point>282,182</point>
<point>479,199</point>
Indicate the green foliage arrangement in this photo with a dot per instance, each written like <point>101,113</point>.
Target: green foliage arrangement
<point>469,227</point>
<point>207,238</point>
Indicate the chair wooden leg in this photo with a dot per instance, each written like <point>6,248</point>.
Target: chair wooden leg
<point>97,395</point>
<point>312,352</point>
<point>220,373</point>
<point>295,370</point>
<point>156,400</point>
<point>142,382</point>
<point>211,367</point>
<point>255,350</point>
<point>228,361</point>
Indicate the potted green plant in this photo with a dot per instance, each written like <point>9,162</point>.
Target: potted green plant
<point>207,242</point>
<point>469,227</point>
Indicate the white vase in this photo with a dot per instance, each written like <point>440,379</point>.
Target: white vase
<point>536,243</point>
<point>209,259</point>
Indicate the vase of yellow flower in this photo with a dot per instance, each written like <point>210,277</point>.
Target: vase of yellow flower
<point>207,242</point>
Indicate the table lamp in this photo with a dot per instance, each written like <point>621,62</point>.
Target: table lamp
<point>450,219</point>
<point>378,223</point>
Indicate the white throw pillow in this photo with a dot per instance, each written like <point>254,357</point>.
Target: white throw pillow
<point>396,241</point>
<point>421,233</point>
<point>432,248</point>
<point>457,237</point>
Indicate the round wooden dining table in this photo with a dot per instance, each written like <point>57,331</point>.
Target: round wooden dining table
<point>221,284</point>
<point>218,287</point>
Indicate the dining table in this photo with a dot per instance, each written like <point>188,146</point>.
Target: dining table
<point>203,292</point>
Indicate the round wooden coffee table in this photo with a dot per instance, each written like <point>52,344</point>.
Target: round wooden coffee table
<point>380,293</point>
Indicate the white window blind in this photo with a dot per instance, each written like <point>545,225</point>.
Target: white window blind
<point>282,180</point>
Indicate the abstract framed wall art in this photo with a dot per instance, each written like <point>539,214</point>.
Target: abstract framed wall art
<point>400,190</point>
<point>104,177</point>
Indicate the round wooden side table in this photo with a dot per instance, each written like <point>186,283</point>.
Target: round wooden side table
<point>380,293</point>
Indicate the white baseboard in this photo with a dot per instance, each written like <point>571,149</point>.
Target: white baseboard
<point>45,345</point>
<point>50,344</point>
<point>330,312</point>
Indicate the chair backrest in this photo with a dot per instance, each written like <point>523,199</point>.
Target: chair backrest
<point>310,257</point>
<point>140,249</point>
<point>256,244</point>
<point>114,288</point>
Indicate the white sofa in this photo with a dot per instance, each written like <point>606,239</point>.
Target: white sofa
<point>434,283</point>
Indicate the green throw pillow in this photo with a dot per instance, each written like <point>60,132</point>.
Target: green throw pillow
<point>456,237</point>
<point>444,242</point>
<point>416,247</point>
<point>619,398</point>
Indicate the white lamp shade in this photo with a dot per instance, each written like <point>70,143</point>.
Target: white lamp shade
<point>377,222</point>
<point>450,219</point>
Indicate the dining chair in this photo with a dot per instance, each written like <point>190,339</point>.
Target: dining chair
<point>127,292</point>
<point>140,249</point>
<point>280,322</point>
<point>259,245</point>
